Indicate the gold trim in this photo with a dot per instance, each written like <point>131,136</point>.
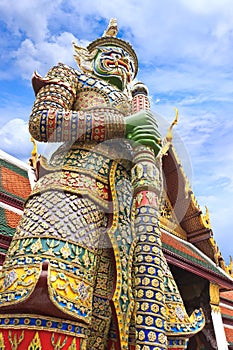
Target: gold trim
<point>205,219</point>
<point>124,323</point>
<point>54,238</point>
<point>47,318</point>
<point>34,157</point>
<point>74,169</point>
<point>214,294</point>
<point>215,308</point>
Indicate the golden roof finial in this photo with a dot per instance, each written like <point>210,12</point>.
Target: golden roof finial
<point>175,121</point>
<point>206,218</point>
<point>168,139</point>
<point>112,28</point>
<point>34,158</point>
<point>230,266</point>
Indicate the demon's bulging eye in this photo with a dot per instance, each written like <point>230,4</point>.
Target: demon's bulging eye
<point>115,55</point>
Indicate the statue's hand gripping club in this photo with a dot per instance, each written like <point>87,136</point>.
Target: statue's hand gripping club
<point>142,128</point>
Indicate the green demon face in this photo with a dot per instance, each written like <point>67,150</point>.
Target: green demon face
<point>115,65</point>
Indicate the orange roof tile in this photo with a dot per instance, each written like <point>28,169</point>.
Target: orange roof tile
<point>14,183</point>
<point>178,245</point>
<point>12,218</point>
<point>226,311</point>
<point>227,295</point>
<point>229,334</point>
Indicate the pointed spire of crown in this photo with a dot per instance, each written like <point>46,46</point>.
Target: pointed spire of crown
<point>111,29</point>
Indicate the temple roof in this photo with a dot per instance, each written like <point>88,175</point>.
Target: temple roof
<point>14,189</point>
<point>14,181</point>
<point>194,224</point>
<point>226,306</point>
<point>228,296</point>
<point>185,255</point>
<point>187,237</point>
<point>229,336</point>
<point>8,223</point>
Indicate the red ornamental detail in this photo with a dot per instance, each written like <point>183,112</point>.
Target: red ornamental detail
<point>146,198</point>
<point>98,129</point>
<point>113,345</point>
<point>25,339</point>
<point>51,124</point>
<point>66,126</point>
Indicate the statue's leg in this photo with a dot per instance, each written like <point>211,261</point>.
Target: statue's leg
<point>53,258</point>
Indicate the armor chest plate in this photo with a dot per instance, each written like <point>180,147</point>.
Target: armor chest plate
<point>93,92</point>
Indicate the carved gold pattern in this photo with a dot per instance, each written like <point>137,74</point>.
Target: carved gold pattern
<point>34,158</point>
<point>214,294</point>
<point>35,344</point>
<point>168,219</point>
<point>2,345</point>
<point>15,342</point>
<point>72,345</point>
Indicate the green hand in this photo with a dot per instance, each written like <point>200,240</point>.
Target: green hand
<point>142,128</point>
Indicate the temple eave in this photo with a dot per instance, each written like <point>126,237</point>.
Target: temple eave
<point>181,262</point>
<point>200,235</point>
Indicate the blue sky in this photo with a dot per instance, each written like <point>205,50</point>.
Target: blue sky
<point>185,51</point>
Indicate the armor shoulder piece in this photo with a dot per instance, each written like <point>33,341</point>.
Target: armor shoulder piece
<point>61,74</point>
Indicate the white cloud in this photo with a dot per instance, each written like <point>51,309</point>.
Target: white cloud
<point>207,7</point>
<point>43,55</point>
<point>15,138</point>
<point>14,107</point>
<point>29,18</point>
<point>158,35</point>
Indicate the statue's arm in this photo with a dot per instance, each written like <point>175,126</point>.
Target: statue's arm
<point>53,120</point>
